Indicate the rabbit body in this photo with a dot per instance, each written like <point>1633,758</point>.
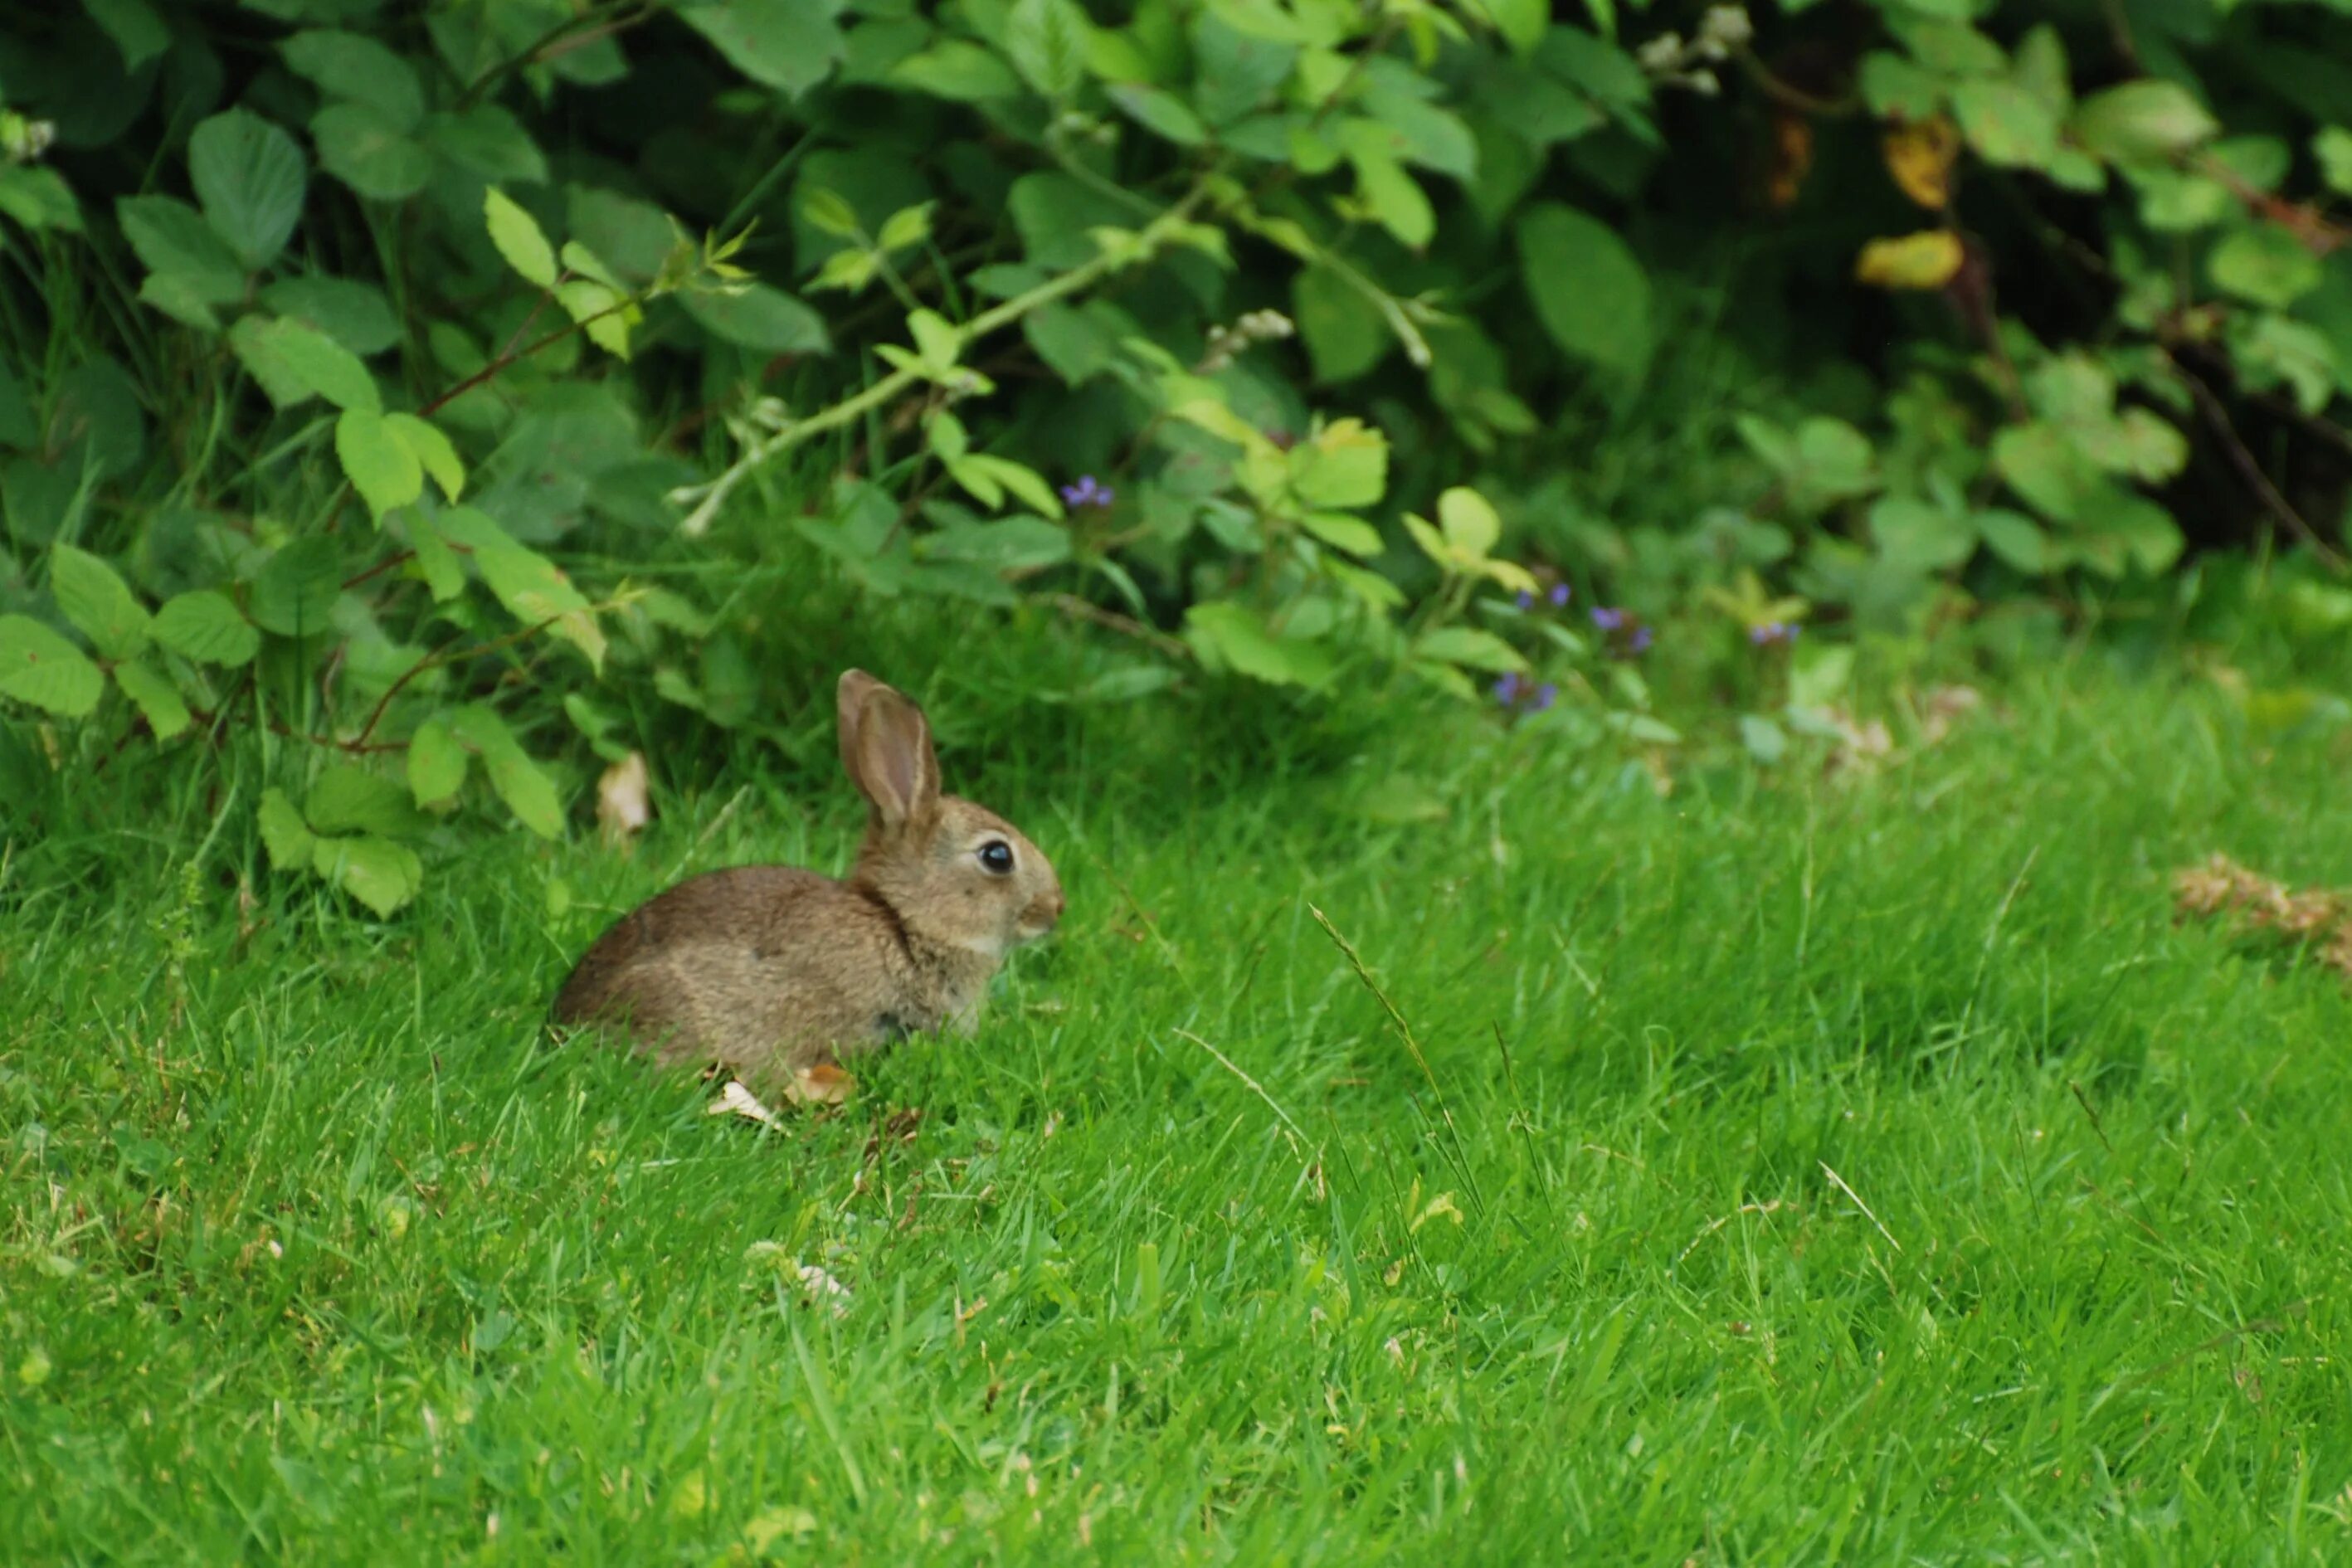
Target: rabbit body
<point>770,969</point>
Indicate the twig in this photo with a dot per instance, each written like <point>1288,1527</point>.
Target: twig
<point>1081,609</point>
<point>2210,404</point>
<point>437,661</point>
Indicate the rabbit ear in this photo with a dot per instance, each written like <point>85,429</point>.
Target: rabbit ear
<point>885,744</point>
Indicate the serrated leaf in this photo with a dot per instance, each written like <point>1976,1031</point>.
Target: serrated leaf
<point>206,626</point>
<point>1231,635</point>
<point>166,712</point>
<point>249,177</point>
<point>432,450</point>
<point>788,44</point>
<point>1159,111</point>
<point>369,152</point>
<point>907,226</point>
<point>528,793</point>
<point>284,834</point>
<point>355,67</point>
<point>1346,464</point>
<point>444,573</point>
<point>2265,264</point>
<point>381,874</point>
<point>1046,40</point>
<point>41,669</point>
<point>529,584</point>
<point>98,602</point>
<point>294,593</point>
<point>518,238</point>
<point>435,765</point>
<point>311,359</point>
<point>381,465</point>
<point>350,799</point>
<point>603,313</point>
<point>174,242</point>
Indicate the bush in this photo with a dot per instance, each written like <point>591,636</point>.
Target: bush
<point>372,372</point>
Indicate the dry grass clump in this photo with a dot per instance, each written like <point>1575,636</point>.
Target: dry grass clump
<point>2314,918</point>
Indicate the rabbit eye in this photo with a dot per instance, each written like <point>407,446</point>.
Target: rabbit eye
<point>997,856</point>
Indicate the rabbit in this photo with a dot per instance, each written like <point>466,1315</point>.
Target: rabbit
<point>772,970</point>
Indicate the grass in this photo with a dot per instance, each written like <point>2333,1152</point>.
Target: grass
<point>1784,1171</point>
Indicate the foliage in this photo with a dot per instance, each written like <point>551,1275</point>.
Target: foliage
<point>366,372</point>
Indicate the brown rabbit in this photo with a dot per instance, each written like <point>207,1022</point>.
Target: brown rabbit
<point>772,969</point>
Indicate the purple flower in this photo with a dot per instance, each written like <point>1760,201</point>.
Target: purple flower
<point>1640,641</point>
<point>1559,594</point>
<point>1773,632</point>
<point>1506,688</point>
<point>1526,600</point>
<point>1607,619</point>
<point>1546,695</point>
<point>1086,492</point>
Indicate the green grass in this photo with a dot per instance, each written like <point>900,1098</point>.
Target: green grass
<point>1802,1171</point>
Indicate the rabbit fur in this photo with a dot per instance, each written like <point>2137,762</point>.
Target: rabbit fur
<point>771,970</point>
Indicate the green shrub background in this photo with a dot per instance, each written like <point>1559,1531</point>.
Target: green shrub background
<point>407,410</point>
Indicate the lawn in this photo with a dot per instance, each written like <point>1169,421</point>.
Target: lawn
<point>1790,1168</point>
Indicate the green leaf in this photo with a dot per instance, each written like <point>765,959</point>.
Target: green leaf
<point>382,875</point>
<point>38,198</point>
<point>1469,522</point>
<point>1914,536</point>
<point>294,593</point>
<point>444,574</point>
<point>1896,87</point>
<point>1016,543</point>
<point>348,799</point>
<point>1470,646</point>
<point>603,313</point>
<point>1345,334</point>
<point>518,238</point>
<point>173,241</point>
<point>2006,123</point>
<point>1589,291</point>
<point>1230,635</point>
<point>381,466</point>
<point>284,834</point>
<point>437,765</point>
<point>2332,150</point>
<point>762,318</point>
<point>250,178</point>
<point>1159,111</point>
<point>788,44</point>
<point>41,669</point>
<point>1342,531</point>
<point>957,70</point>
<point>354,313</point>
<point>1394,197</point>
<point>1345,465</point>
<point>529,584</point>
<point>156,698</point>
<point>206,626</point>
<point>1047,42</point>
<point>2142,121</point>
<point>2042,464</point>
<point>133,26</point>
<point>98,602</point>
<point>2265,264</point>
<point>353,66</point>
<point>488,141</point>
<point>432,450</point>
<point>313,360</point>
<point>2017,539</point>
<point>367,151</point>
<point>527,790</point>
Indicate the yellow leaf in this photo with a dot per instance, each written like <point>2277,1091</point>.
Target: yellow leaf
<point>1924,261</point>
<point>1919,155</point>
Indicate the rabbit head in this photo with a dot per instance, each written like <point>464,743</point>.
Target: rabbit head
<point>955,874</point>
